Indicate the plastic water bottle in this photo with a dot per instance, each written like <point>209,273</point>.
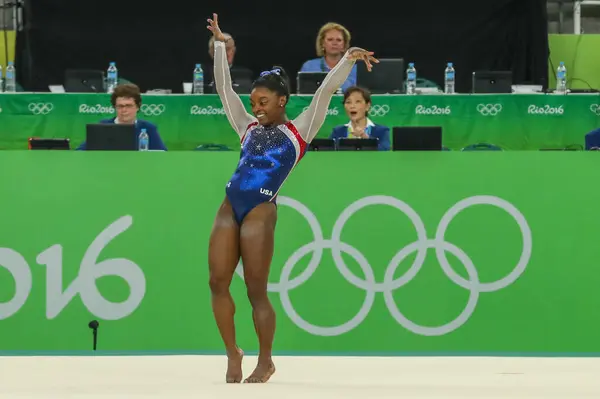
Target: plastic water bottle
<point>112,77</point>
<point>143,141</point>
<point>198,82</point>
<point>449,79</point>
<point>10,80</point>
<point>1,80</point>
<point>411,79</point>
<point>561,78</point>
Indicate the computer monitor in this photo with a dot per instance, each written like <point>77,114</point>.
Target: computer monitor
<point>417,138</point>
<point>84,81</point>
<point>347,144</point>
<point>387,77</point>
<point>322,145</point>
<point>492,82</point>
<point>111,137</point>
<point>241,82</point>
<point>309,82</point>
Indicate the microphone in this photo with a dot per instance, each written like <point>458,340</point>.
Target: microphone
<point>94,326</point>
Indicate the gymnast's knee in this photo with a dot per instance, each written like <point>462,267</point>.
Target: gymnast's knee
<point>257,292</point>
<point>219,283</point>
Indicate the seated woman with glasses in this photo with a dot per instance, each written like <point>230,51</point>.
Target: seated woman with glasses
<point>127,100</point>
<point>357,103</point>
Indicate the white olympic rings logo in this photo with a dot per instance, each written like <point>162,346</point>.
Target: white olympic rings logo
<point>389,284</point>
<point>489,109</point>
<point>379,110</point>
<point>152,109</point>
<point>41,108</point>
<point>595,108</point>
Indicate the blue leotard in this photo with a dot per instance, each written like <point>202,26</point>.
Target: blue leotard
<point>269,154</point>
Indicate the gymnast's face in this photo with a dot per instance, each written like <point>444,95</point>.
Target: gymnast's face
<point>267,106</point>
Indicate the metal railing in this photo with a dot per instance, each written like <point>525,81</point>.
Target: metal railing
<point>11,14</point>
<point>577,12</point>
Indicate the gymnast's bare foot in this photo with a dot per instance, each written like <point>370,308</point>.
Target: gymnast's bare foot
<point>262,373</point>
<point>234,367</point>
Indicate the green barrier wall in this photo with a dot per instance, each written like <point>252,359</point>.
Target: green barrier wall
<point>376,253</point>
<point>581,55</point>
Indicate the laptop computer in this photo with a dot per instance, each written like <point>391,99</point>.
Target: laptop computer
<point>241,81</point>
<point>84,81</point>
<point>309,82</point>
<point>350,144</point>
<point>417,138</point>
<point>492,82</point>
<point>386,78</point>
<point>37,143</point>
<point>111,137</point>
<point>322,144</point>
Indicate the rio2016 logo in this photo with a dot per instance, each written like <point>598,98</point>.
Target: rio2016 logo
<point>90,270</point>
<point>545,110</point>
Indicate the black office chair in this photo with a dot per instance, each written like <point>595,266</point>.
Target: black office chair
<point>212,147</point>
<point>482,147</point>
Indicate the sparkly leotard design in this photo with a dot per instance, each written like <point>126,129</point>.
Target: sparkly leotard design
<point>269,153</point>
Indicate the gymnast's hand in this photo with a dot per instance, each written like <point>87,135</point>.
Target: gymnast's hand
<point>214,28</point>
<point>357,54</point>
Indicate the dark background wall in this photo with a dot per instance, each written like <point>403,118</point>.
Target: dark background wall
<point>156,44</point>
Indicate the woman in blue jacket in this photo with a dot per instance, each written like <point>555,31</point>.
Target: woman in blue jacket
<point>127,100</point>
<point>357,103</point>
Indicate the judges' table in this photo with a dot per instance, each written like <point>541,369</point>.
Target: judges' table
<point>515,122</point>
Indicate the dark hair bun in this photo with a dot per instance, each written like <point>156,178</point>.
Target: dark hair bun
<point>282,71</point>
<point>275,79</point>
<point>283,76</point>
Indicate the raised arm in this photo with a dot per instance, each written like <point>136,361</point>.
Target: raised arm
<point>310,121</point>
<point>232,104</point>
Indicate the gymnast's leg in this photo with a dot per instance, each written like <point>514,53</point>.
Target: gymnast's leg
<point>257,235</point>
<point>223,257</point>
